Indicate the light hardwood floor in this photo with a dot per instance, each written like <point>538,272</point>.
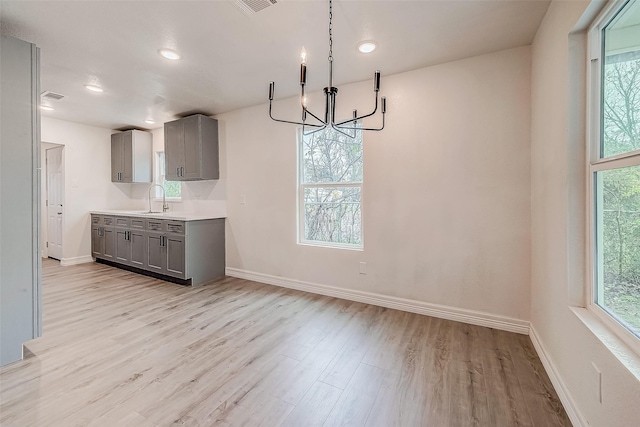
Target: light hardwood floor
<point>120,349</point>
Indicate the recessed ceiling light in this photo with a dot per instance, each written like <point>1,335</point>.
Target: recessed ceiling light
<point>46,107</point>
<point>367,47</point>
<point>169,54</point>
<point>149,121</point>
<point>94,88</point>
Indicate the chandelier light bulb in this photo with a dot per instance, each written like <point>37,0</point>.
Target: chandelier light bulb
<point>303,57</point>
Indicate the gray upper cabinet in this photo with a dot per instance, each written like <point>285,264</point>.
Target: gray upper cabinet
<point>131,156</point>
<point>191,149</point>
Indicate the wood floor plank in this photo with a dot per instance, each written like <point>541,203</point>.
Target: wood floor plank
<point>355,403</point>
<point>123,349</point>
<point>314,407</point>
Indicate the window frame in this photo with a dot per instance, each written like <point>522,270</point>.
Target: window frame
<point>300,208</point>
<point>159,179</point>
<point>596,163</point>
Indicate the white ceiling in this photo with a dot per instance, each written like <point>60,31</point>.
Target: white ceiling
<point>230,57</point>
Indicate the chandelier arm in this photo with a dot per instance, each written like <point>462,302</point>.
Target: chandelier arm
<point>337,129</point>
<point>294,123</point>
<point>316,117</point>
<point>313,131</point>
<point>373,129</point>
<point>375,110</point>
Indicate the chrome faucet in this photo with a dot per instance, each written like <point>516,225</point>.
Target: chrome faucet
<point>165,207</point>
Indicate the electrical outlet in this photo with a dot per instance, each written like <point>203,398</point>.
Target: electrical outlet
<point>596,383</point>
<point>243,199</point>
<point>363,267</point>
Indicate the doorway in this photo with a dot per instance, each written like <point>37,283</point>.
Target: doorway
<point>53,206</point>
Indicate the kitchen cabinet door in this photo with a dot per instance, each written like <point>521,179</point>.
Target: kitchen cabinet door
<point>127,157</point>
<point>138,241</point>
<point>174,149</point>
<point>117,151</point>
<point>123,246</point>
<point>97,242</point>
<point>109,237</point>
<point>192,148</point>
<point>156,253</point>
<point>175,248</point>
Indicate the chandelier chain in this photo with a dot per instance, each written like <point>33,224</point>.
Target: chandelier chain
<point>330,31</point>
<point>347,127</point>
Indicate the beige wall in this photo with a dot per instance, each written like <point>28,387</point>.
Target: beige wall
<point>558,225</point>
<point>446,203</point>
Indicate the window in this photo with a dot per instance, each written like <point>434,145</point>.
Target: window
<point>172,188</point>
<point>614,168</point>
<point>330,172</point>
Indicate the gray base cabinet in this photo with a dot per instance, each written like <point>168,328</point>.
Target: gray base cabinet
<point>103,238</point>
<point>192,251</point>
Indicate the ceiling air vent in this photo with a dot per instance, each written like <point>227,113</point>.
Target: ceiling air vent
<point>51,96</point>
<point>249,7</point>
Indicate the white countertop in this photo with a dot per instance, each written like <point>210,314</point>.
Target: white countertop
<point>181,216</point>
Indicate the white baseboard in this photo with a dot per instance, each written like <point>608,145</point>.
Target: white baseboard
<point>65,262</point>
<point>563,393</point>
<point>441,311</point>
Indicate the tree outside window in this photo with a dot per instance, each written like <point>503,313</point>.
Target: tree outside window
<point>617,172</point>
<point>173,189</point>
<point>330,189</point>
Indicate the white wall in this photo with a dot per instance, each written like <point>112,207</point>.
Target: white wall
<point>446,204</point>
<point>197,196</point>
<point>558,226</point>
<point>88,183</point>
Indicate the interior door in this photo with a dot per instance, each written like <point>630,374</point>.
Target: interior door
<point>55,197</point>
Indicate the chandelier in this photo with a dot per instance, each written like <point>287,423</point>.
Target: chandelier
<point>346,127</point>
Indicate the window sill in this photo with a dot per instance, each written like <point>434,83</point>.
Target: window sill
<point>167,199</point>
<point>629,358</point>
<point>332,246</point>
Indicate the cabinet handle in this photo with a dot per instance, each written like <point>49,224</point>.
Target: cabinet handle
<point>162,241</point>
<point>178,171</point>
<point>182,171</point>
